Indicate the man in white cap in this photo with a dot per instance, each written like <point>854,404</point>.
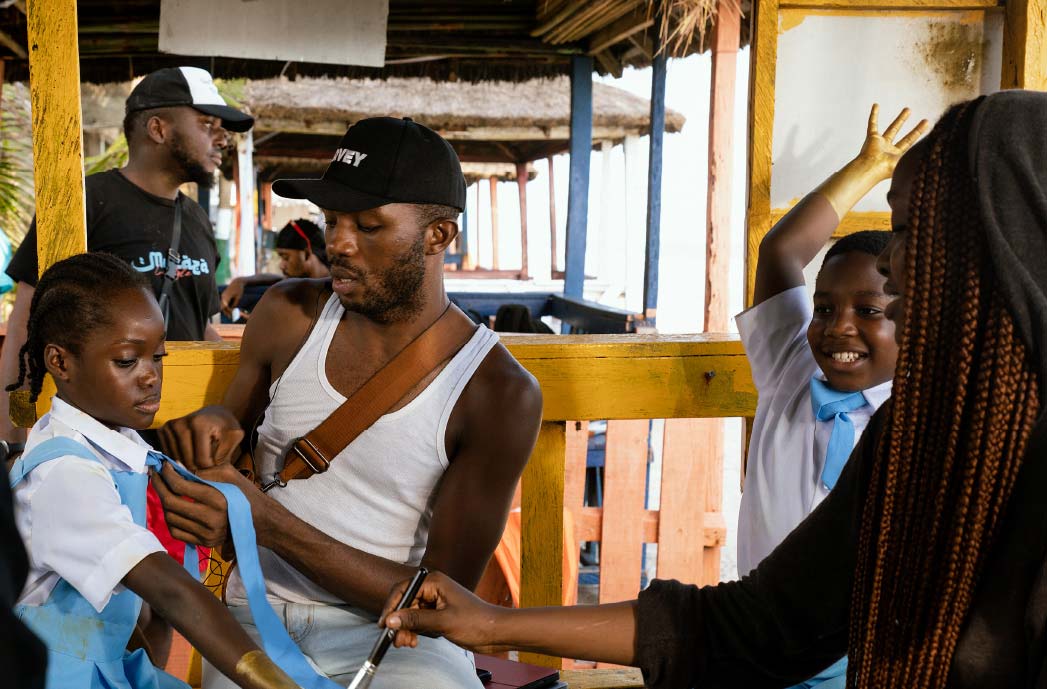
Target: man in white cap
<point>176,126</point>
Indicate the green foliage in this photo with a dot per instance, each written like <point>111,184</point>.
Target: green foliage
<point>115,155</point>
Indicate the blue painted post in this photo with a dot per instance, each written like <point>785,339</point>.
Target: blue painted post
<point>578,185</point>
<point>654,189</point>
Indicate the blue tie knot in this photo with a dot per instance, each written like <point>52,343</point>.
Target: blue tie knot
<point>827,402</point>
<point>830,404</point>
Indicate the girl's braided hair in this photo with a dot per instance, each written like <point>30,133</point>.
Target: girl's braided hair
<point>73,299</point>
<point>964,405</point>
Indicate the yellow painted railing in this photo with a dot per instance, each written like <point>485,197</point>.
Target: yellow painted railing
<point>625,379</point>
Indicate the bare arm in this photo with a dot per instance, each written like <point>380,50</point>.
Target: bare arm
<point>605,633</point>
<point>13,341</point>
<point>234,291</point>
<point>205,622</point>
<point>797,238</point>
<point>468,517</point>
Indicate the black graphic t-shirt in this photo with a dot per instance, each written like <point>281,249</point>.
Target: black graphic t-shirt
<point>127,221</point>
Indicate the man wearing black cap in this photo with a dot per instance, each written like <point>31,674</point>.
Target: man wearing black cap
<point>430,482</point>
<point>175,126</point>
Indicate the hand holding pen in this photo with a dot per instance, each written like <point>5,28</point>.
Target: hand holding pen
<point>366,673</point>
<point>443,607</point>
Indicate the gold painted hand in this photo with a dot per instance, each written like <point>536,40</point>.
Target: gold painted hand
<point>874,163</point>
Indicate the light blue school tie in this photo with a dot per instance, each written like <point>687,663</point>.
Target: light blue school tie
<point>275,640</point>
<point>827,404</point>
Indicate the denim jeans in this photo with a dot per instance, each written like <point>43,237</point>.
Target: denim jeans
<point>337,640</point>
<point>832,677</point>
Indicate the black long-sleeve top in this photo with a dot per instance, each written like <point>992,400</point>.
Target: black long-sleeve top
<point>788,619</point>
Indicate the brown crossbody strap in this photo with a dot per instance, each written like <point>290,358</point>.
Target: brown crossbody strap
<point>312,453</point>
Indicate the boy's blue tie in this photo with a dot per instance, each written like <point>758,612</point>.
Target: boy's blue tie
<point>833,404</point>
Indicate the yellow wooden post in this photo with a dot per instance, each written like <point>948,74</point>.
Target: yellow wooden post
<point>541,527</point>
<point>761,130</point>
<point>58,145</point>
<point>1025,45</point>
<point>58,141</point>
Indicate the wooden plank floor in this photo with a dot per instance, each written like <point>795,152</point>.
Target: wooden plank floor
<point>618,678</point>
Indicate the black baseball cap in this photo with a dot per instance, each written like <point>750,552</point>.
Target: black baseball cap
<point>191,86</point>
<point>384,160</point>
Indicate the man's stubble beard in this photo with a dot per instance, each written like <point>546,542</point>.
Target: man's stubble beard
<point>191,170</point>
<point>396,293</point>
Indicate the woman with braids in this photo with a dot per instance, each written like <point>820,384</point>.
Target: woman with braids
<point>95,326</point>
<point>926,564</point>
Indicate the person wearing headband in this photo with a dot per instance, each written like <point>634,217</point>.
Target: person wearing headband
<point>303,254</point>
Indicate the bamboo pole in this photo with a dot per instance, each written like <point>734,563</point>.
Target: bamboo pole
<point>58,142</point>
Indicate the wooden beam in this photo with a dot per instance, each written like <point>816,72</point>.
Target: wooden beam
<point>1025,46</point>
<point>493,181</point>
<point>707,434</point>
<point>58,142</point>
<point>553,254</point>
<point>721,152</point>
<point>854,221</point>
<point>609,63</point>
<point>917,5</point>
<point>521,186</point>
<point>481,133</point>
<point>583,377</point>
<point>763,65</point>
<point>13,45</point>
<point>654,189</point>
<point>578,185</point>
<point>541,527</point>
<point>620,30</point>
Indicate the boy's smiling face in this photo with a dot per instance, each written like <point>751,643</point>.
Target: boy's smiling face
<point>851,339</point>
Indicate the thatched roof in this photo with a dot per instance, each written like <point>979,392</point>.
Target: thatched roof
<point>299,123</point>
<point>471,40</point>
<point>486,122</point>
<point>329,105</point>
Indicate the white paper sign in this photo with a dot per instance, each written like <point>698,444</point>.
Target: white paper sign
<point>345,32</point>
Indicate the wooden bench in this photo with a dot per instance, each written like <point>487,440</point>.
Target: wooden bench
<point>625,379</point>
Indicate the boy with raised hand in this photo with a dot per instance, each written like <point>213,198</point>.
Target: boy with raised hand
<point>821,369</point>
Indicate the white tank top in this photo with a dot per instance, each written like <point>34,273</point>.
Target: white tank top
<point>378,494</point>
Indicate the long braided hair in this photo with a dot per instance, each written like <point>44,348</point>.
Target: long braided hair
<point>964,404</point>
<point>72,300</point>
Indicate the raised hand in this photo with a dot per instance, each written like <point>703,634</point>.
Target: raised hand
<point>880,151</point>
<point>873,164</point>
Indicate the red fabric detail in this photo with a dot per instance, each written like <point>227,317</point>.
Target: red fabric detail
<point>157,523</point>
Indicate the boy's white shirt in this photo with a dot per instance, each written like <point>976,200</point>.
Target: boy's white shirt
<point>68,511</point>
<point>787,450</point>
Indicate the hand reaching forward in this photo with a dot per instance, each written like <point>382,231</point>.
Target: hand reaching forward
<point>442,608</point>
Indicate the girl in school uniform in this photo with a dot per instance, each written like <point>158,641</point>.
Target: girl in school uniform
<point>95,326</point>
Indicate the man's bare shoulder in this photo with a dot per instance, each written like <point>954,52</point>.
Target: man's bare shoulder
<point>502,382</point>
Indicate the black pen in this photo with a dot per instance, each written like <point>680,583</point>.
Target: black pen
<point>365,674</point>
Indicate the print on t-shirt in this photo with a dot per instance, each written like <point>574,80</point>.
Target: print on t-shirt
<point>157,263</point>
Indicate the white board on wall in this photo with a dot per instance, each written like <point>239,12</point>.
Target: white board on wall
<point>833,66</point>
<point>345,32</point>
